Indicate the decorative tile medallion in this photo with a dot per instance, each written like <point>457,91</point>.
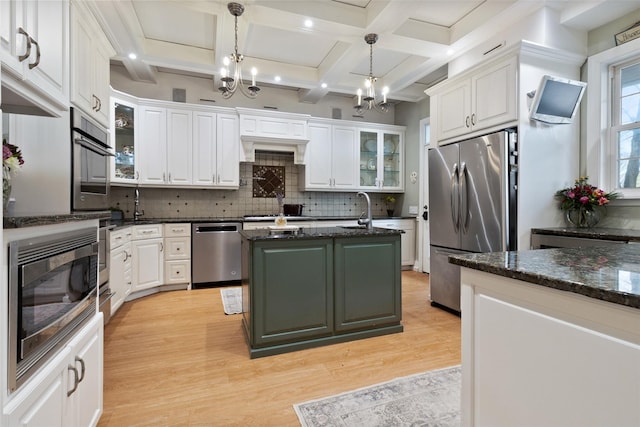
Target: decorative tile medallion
<point>268,180</point>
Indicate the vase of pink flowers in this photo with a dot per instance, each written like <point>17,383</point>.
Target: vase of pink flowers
<point>584,204</point>
<point>11,162</point>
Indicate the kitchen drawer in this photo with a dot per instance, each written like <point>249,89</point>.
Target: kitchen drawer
<point>119,237</point>
<point>177,271</point>
<point>147,231</point>
<point>177,248</point>
<point>177,230</point>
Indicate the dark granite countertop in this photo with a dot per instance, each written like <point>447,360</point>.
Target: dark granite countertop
<point>316,233</point>
<point>322,218</point>
<point>619,234</point>
<point>32,221</point>
<point>607,273</point>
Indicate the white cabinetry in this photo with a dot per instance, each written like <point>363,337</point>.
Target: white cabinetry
<point>124,168</point>
<point>331,157</point>
<point>541,352</point>
<point>34,47</point>
<point>68,391</point>
<point>148,262</point>
<point>272,131</point>
<point>381,159</point>
<point>216,150</point>
<point>485,98</point>
<point>177,253</point>
<point>90,53</point>
<point>120,266</point>
<point>407,239</point>
<point>179,146</point>
<point>187,147</point>
<point>152,145</point>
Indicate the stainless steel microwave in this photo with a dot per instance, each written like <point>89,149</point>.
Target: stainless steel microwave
<point>90,153</point>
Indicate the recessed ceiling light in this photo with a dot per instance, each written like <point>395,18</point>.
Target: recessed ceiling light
<point>324,85</point>
<point>277,78</point>
<point>450,52</point>
<point>308,23</point>
<point>132,55</point>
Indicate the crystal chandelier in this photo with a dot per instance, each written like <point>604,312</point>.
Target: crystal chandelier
<point>370,102</point>
<point>231,82</point>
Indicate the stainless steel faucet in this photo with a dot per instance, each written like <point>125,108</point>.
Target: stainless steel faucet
<point>368,221</point>
<point>136,201</point>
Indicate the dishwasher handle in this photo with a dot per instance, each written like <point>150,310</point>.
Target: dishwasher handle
<point>215,228</point>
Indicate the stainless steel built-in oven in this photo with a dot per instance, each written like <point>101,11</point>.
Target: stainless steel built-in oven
<point>53,283</point>
<point>90,154</point>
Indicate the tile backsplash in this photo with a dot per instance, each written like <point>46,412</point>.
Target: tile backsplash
<point>205,203</point>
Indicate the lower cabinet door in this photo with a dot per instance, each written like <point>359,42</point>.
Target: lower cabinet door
<point>367,282</point>
<point>45,408</point>
<point>295,282</point>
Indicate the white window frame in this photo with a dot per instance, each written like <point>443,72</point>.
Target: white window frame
<point>599,144</point>
<point>616,127</point>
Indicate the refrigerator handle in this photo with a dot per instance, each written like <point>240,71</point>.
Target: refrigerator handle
<point>455,203</point>
<point>464,208</point>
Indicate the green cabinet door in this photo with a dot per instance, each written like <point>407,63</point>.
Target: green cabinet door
<point>292,284</point>
<point>367,282</point>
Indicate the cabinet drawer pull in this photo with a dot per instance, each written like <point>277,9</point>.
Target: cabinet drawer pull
<point>147,231</point>
<point>79,359</point>
<point>35,64</point>
<point>466,121</point>
<point>28,51</point>
<point>177,230</point>
<point>473,119</point>
<point>75,379</point>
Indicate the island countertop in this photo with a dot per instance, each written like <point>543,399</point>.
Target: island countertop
<point>606,273</point>
<point>315,233</point>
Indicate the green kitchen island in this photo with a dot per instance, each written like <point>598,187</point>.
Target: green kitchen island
<point>319,286</point>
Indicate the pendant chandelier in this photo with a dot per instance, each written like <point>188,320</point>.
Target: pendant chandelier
<point>231,82</point>
<point>370,101</point>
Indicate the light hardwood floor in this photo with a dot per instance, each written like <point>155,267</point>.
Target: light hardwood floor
<point>175,359</point>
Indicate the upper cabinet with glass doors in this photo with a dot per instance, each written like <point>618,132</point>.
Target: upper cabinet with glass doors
<point>123,131</point>
<point>381,160</point>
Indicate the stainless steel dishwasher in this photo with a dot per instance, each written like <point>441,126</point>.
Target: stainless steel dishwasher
<point>215,252</point>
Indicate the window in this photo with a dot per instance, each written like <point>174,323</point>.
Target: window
<point>612,121</point>
<point>625,124</point>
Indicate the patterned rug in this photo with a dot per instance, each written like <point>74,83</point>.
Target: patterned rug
<point>428,399</point>
<point>231,300</point>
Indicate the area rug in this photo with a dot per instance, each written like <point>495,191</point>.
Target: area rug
<point>231,300</point>
<point>427,399</point>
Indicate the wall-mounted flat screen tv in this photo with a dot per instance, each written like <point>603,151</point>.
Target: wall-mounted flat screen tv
<point>556,100</point>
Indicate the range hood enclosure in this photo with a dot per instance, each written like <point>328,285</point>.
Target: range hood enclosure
<point>273,131</point>
<point>251,144</point>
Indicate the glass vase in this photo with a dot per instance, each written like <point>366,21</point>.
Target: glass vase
<point>584,218</point>
<point>6,188</point>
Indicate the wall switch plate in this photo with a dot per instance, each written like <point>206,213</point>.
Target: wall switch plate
<point>413,210</point>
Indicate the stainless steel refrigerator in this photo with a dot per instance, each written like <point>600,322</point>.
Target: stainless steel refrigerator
<point>472,201</point>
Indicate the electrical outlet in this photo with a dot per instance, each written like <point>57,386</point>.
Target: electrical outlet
<point>413,210</point>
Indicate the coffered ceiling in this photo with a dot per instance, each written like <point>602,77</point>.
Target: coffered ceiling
<point>416,37</point>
